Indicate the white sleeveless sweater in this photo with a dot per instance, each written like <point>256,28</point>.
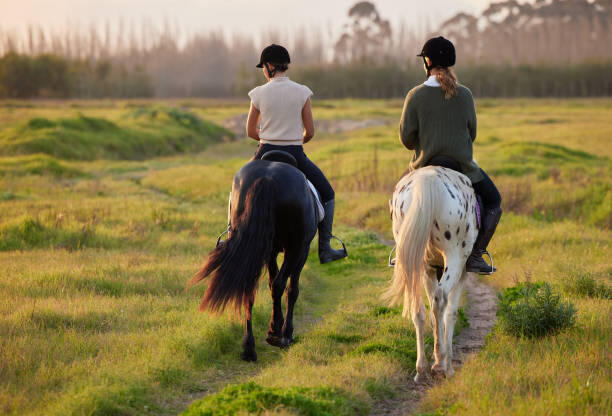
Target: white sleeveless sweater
<point>280,102</point>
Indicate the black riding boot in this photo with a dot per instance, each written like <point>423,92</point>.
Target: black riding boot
<point>475,262</point>
<point>326,253</point>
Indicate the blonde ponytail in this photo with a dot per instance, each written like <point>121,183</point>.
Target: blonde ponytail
<point>448,81</point>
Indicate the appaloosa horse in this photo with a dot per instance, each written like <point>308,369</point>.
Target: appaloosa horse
<point>434,213</point>
<point>272,209</point>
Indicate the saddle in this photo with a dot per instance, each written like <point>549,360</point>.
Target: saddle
<point>280,156</point>
<point>450,163</point>
<point>284,157</point>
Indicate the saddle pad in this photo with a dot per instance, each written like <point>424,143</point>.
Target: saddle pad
<point>479,208</point>
<point>315,194</point>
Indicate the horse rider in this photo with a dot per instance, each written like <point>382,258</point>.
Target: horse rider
<point>280,118</point>
<point>439,123</point>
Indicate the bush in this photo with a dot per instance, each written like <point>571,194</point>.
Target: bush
<point>533,310</point>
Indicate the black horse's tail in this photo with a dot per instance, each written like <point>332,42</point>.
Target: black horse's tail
<point>236,263</point>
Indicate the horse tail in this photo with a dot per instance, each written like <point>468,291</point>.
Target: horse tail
<point>414,235</point>
<point>236,263</point>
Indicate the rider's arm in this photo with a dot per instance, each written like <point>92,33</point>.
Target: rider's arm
<point>409,124</point>
<point>251,126</point>
<point>308,121</point>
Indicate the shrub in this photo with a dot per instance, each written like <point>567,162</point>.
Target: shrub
<point>533,310</point>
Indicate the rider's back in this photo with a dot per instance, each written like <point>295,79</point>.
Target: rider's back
<point>280,102</point>
<point>433,125</point>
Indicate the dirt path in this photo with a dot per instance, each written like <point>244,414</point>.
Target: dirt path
<point>481,316</point>
<point>237,124</point>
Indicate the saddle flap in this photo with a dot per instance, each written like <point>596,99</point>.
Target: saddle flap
<point>479,211</point>
<point>319,205</point>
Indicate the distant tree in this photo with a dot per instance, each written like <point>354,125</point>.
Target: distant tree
<point>544,31</point>
<point>17,76</point>
<point>51,75</point>
<point>365,35</point>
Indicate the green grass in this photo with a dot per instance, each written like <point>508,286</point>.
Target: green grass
<point>142,133</point>
<point>255,399</point>
<point>37,164</point>
<point>95,254</point>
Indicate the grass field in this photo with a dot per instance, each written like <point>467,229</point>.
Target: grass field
<point>98,239</point>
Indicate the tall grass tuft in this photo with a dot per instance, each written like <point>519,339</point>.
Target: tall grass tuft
<point>585,285</point>
<point>533,310</point>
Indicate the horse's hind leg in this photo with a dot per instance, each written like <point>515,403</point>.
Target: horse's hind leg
<point>450,318</point>
<point>276,283</point>
<point>418,317</point>
<point>449,281</point>
<point>292,294</point>
<point>438,305</point>
<point>248,342</point>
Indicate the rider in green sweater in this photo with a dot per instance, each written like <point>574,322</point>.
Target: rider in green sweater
<point>439,123</point>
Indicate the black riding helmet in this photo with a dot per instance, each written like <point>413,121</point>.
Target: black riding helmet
<point>273,54</point>
<point>440,51</point>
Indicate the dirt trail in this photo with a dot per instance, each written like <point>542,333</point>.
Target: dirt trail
<point>481,316</point>
<point>237,124</point>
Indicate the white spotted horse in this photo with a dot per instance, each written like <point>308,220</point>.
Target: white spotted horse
<point>435,225</point>
<point>272,209</point>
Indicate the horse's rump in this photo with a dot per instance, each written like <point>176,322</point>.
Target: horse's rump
<point>433,213</point>
<point>270,205</point>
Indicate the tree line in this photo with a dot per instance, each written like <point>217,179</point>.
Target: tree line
<point>54,76</point>
<point>544,48</point>
<point>394,81</point>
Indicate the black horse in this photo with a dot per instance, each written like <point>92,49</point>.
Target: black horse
<point>272,210</point>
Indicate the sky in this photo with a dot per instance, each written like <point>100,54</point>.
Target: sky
<point>243,16</point>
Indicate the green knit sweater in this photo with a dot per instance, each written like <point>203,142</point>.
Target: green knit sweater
<point>431,125</point>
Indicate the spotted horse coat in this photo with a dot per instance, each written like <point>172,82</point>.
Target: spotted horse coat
<point>433,211</point>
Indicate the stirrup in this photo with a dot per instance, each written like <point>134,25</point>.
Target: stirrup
<point>391,260</point>
<point>343,246</point>
<point>493,269</point>
<point>222,234</point>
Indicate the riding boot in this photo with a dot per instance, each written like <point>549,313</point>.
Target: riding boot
<point>475,263</point>
<point>326,253</point>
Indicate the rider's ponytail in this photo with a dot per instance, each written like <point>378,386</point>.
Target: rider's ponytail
<point>448,81</point>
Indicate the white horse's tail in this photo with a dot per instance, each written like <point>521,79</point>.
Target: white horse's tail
<point>414,236</point>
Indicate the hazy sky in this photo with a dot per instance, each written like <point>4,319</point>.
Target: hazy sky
<point>246,16</point>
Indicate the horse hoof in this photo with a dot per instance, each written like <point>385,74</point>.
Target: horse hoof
<point>287,342</point>
<point>275,341</point>
<point>421,378</point>
<point>437,371</point>
<point>249,356</point>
